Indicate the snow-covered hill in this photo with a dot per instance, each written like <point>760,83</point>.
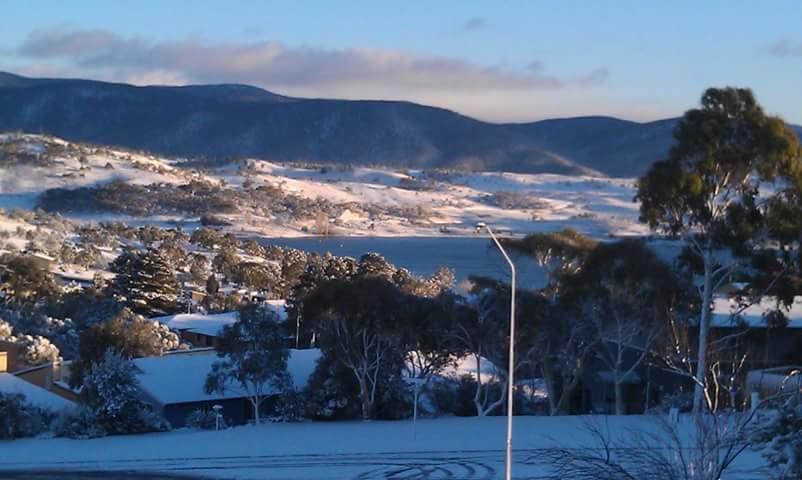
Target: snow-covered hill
<point>257,197</point>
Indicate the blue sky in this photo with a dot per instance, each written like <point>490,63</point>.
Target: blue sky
<point>499,61</point>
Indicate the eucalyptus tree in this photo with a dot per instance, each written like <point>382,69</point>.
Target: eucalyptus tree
<point>713,190</point>
<point>625,293</point>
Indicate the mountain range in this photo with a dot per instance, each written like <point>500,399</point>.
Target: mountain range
<point>225,122</point>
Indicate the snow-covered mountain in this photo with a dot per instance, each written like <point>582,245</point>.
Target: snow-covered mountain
<point>225,122</point>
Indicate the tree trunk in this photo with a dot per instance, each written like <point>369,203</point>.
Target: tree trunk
<point>365,396</point>
<point>704,327</point>
<point>256,417</point>
<point>551,388</point>
<point>477,395</point>
<point>565,396</point>
<point>620,407</point>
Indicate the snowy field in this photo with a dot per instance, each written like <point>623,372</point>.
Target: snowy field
<point>446,448</point>
<point>452,203</point>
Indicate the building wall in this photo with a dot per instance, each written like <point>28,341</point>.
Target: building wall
<point>198,340</point>
<point>45,377</point>
<point>12,354</point>
<point>236,411</point>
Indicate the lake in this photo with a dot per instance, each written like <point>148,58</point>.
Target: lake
<point>424,255</point>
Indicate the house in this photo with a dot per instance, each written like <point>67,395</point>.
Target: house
<point>66,279</point>
<point>50,377</point>
<point>772,381</point>
<point>643,388</point>
<point>37,396</point>
<point>34,382</point>
<point>751,331</point>
<point>174,385</point>
<point>203,330</point>
<point>9,356</point>
<point>198,329</point>
<point>43,261</point>
<point>766,349</point>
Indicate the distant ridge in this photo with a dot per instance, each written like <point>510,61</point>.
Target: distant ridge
<point>225,122</point>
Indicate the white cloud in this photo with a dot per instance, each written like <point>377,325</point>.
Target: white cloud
<point>785,48</point>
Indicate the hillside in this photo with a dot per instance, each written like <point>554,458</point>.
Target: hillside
<point>90,182</point>
<point>224,122</point>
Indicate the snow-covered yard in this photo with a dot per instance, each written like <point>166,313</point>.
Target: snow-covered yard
<point>462,448</point>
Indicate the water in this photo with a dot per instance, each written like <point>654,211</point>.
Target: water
<point>423,255</point>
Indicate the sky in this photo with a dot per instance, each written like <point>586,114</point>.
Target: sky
<point>509,61</point>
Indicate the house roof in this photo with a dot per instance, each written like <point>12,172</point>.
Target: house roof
<point>727,313</point>
<point>211,324</point>
<point>34,394</point>
<point>181,377</point>
<point>199,323</point>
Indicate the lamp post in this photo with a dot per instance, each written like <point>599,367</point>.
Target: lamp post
<point>217,416</point>
<point>511,367</point>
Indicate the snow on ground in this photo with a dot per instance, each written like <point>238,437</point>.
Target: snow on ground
<point>451,203</point>
<point>455,203</point>
<point>33,394</point>
<point>21,184</point>
<point>728,312</point>
<point>465,448</point>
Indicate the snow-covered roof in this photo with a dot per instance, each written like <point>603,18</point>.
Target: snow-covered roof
<point>34,394</point>
<point>466,366</point>
<point>199,323</point>
<point>180,377</point>
<point>727,313</point>
<point>211,324</point>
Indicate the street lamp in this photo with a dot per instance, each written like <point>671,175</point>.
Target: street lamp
<point>511,367</point>
<point>217,416</point>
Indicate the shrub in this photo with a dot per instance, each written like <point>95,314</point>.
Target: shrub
<point>20,419</point>
<point>112,393</point>
<point>290,407</point>
<point>78,423</point>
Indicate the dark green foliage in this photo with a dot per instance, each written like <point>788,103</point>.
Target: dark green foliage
<point>20,419</point>
<point>253,356</point>
<point>712,192</point>
<point>24,280</point>
<point>560,253</point>
<point>112,393</point>
<point>361,323</point>
<point>127,334</point>
<point>723,151</point>
<point>138,200</point>
<point>79,422</point>
<point>145,282</point>
<point>212,285</point>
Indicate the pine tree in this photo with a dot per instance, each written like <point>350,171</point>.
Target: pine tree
<point>145,282</point>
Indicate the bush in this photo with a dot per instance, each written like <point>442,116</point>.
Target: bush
<point>290,407</point>
<point>204,420</point>
<point>454,396</point>
<point>20,419</point>
<point>78,423</point>
<point>111,391</point>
